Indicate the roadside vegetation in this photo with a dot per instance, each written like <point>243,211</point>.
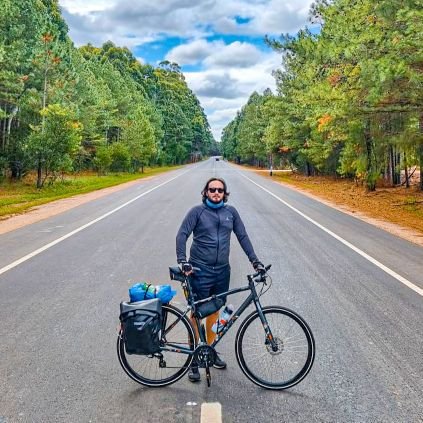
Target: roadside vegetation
<point>18,197</point>
<point>65,109</point>
<point>399,205</point>
<point>349,100</point>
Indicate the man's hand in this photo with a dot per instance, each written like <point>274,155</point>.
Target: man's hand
<point>259,266</point>
<point>186,268</point>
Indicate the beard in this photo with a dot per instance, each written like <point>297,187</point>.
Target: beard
<point>215,201</point>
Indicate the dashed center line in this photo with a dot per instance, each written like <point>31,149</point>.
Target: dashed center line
<point>211,412</point>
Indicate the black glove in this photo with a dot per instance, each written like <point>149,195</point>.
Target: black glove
<point>258,266</point>
<point>186,267</point>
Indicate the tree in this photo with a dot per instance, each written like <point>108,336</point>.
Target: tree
<point>53,143</point>
<point>138,135</point>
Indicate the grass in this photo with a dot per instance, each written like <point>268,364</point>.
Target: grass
<point>396,205</point>
<point>19,196</point>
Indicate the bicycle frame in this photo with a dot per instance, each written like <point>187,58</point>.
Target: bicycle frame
<point>278,360</point>
<point>253,297</point>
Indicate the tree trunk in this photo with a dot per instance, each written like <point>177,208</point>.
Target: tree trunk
<point>11,117</point>
<point>39,175</point>
<point>3,135</point>
<point>308,169</point>
<point>420,152</point>
<point>391,165</point>
<point>407,179</point>
<point>398,168</point>
<point>370,178</point>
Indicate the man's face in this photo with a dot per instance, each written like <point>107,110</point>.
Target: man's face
<point>213,193</point>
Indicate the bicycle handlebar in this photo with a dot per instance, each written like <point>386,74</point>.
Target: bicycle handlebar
<point>176,273</point>
<point>261,273</point>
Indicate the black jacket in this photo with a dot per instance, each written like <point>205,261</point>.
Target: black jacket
<point>211,229</point>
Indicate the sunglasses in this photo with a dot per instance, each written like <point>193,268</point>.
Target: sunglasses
<point>219,190</point>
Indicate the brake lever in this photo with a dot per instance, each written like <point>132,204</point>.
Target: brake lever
<point>260,278</point>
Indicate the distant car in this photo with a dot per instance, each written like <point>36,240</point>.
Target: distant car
<point>217,159</point>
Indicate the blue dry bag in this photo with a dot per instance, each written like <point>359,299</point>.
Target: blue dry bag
<point>144,291</point>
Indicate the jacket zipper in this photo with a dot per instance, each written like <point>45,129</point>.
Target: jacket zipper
<point>218,227</point>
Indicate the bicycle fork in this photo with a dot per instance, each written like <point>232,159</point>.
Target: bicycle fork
<point>270,340</point>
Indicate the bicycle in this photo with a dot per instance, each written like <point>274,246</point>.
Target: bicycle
<point>274,346</point>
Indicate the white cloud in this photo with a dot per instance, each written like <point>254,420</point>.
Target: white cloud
<point>193,52</point>
<point>235,54</point>
<point>228,73</point>
<point>215,54</point>
<point>84,7</point>
<point>281,16</point>
<point>222,92</point>
<point>185,18</point>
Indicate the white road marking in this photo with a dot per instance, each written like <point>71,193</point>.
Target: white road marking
<point>377,263</point>
<point>81,228</point>
<point>211,412</point>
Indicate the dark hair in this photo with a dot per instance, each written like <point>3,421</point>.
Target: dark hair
<point>206,187</point>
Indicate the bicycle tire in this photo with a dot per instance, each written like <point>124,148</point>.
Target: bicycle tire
<point>137,366</point>
<point>293,360</point>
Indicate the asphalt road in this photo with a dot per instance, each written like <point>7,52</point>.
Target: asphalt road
<point>59,308</point>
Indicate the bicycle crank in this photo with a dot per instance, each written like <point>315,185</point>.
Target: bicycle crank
<point>205,356</point>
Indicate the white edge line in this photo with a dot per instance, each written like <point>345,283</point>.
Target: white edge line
<point>386,269</point>
<point>81,228</point>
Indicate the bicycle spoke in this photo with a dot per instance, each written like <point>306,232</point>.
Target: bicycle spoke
<point>285,365</point>
<point>166,366</point>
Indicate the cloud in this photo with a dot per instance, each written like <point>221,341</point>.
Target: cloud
<point>215,54</point>
<point>227,70</point>
<point>193,52</point>
<point>281,17</point>
<point>184,18</point>
<point>84,7</point>
<point>223,92</point>
<point>235,54</point>
<point>216,85</point>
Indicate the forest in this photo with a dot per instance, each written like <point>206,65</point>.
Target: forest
<point>349,98</point>
<point>67,109</point>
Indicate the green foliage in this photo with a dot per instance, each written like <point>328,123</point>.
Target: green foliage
<point>103,160</point>
<point>120,157</point>
<point>245,138</point>
<point>146,110</point>
<point>53,143</point>
<point>349,98</point>
<point>138,136</point>
<point>22,195</point>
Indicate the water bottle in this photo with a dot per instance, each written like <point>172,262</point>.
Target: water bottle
<point>224,317</point>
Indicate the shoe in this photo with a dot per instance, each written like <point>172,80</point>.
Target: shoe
<point>219,363</point>
<point>194,374</point>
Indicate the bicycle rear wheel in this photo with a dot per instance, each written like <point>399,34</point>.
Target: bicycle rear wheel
<point>279,369</point>
<point>165,367</point>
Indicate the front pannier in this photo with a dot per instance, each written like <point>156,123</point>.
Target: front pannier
<point>141,324</point>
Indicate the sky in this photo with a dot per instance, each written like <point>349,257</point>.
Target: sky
<point>217,43</point>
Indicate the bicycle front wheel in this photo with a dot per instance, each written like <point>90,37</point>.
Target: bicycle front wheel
<point>294,357</point>
<point>165,367</point>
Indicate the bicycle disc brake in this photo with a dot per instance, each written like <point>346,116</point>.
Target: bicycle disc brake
<point>277,348</point>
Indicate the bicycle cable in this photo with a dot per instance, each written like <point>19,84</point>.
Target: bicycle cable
<point>268,285</point>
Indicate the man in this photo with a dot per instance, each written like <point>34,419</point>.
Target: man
<point>211,224</point>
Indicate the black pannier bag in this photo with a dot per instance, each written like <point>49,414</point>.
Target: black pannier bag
<point>141,324</point>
